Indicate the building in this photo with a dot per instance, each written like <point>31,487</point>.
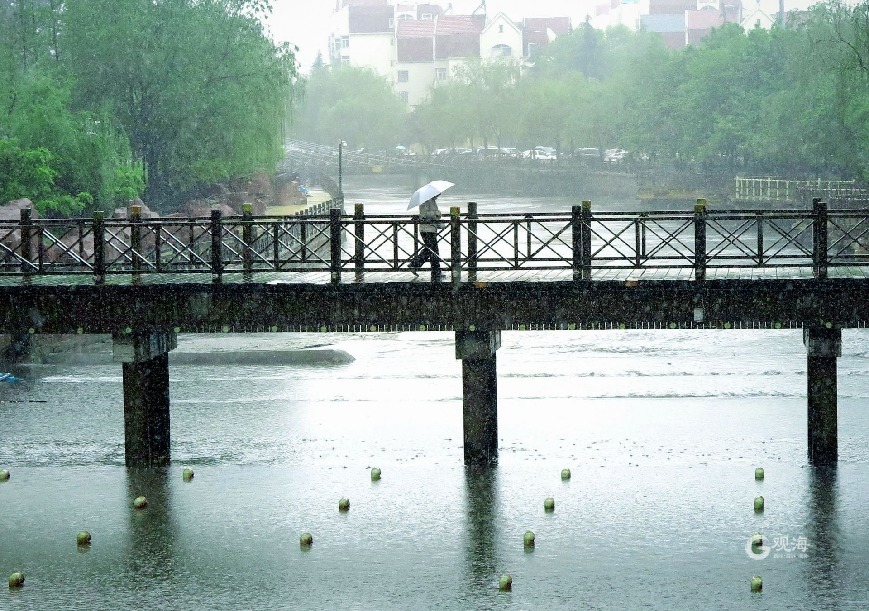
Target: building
<point>415,46</point>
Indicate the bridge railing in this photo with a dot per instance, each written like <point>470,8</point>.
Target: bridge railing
<point>582,241</point>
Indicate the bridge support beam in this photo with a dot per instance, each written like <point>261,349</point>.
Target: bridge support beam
<point>479,394</point>
<point>823,347</point>
<point>144,359</point>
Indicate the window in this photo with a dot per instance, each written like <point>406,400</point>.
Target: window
<point>345,60</point>
<point>426,17</point>
<point>391,23</point>
<point>532,50</point>
<point>345,42</point>
<point>501,51</point>
<point>501,29</point>
<point>441,74</point>
<point>402,95</point>
<point>403,76</point>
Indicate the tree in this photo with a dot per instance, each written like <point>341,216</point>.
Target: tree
<point>351,104</point>
<point>197,85</point>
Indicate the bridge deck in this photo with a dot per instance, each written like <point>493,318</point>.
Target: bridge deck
<point>348,277</point>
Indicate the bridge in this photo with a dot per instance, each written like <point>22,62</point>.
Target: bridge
<point>146,280</point>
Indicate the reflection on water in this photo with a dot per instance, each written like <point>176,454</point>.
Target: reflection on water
<point>482,532</point>
<point>153,531</point>
<point>823,534</point>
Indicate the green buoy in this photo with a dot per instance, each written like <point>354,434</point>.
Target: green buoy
<point>505,583</point>
<point>83,538</point>
<point>375,474</point>
<point>565,474</point>
<point>549,504</point>
<point>187,475</point>
<point>306,540</point>
<point>140,502</point>
<point>344,505</point>
<point>756,584</point>
<point>758,504</point>
<point>529,538</point>
<point>758,473</point>
<point>4,475</point>
<point>16,580</point>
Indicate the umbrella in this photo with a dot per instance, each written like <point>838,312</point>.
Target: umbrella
<point>426,192</point>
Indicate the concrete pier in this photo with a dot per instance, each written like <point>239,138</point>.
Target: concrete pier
<point>479,394</point>
<point>145,363</point>
<point>823,347</point>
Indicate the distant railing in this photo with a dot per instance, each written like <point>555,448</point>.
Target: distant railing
<point>581,240</point>
<point>770,189</point>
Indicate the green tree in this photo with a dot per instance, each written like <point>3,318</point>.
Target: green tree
<point>198,87</point>
<point>351,104</point>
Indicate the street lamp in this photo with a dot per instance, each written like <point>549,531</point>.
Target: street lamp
<point>341,145</point>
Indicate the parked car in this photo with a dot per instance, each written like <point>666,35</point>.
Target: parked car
<point>587,153</point>
<point>509,151</point>
<point>541,153</point>
<point>488,152</point>
<point>615,155</point>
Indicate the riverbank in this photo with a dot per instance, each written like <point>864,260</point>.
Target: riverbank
<point>198,349</point>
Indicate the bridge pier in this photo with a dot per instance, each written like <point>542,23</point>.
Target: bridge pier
<point>479,394</point>
<point>144,360</point>
<point>823,347</point>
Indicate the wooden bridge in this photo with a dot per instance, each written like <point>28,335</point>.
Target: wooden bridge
<point>145,281</point>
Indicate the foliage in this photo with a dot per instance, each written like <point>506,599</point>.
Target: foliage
<point>197,86</point>
<point>29,173</point>
<point>351,104</point>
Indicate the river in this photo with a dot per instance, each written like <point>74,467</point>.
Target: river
<point>662,431</point>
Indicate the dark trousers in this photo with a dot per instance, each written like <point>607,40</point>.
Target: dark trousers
<point>428,252</point>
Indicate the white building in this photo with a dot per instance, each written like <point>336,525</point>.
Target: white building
<point>417,45</point>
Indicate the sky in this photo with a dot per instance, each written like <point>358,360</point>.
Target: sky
<point>306,23</point>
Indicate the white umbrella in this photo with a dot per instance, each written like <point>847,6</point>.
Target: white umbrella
<point>426,192</point>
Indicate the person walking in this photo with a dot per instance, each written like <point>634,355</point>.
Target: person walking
<point>429,223</point>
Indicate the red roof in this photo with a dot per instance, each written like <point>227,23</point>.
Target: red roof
<point>456,24</point>
<point>456,36</point>
<point>414,28</point>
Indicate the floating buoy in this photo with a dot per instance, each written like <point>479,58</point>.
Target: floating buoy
<point>565,474</point>
<point>549,504</point>
<point>758,473</point>
<point>344,505</point>
<point>375,474</point>
<point>756,584</point>
<point>529,538</point>
<point>306,540</point>
<point>505,583</point>
<point>140,502</point>
<point>83,538</point>
<point>758,504</point>
<point>187,475</point>
<point>16,580</point>
<point>4,475</point>
<point>756,540</point>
